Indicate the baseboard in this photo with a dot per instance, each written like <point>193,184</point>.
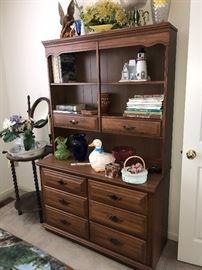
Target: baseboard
<point>6,194</point>
<point>173,236</point>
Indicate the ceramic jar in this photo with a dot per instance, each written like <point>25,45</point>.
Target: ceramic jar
<point>79,146</point>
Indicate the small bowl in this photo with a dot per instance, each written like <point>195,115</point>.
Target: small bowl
<point>121,153</point>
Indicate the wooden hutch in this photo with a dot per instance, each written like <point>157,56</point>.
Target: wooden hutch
<point>124,221</point>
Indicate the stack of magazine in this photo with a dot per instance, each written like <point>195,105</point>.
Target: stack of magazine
<point>145,106</point>
<point>70,108</point>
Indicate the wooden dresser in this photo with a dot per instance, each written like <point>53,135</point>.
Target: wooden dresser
<point>124,221</point>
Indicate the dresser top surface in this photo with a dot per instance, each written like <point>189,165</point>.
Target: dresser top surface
<point>86,171</point>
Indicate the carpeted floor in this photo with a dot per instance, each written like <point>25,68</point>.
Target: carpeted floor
<point>28,228</point>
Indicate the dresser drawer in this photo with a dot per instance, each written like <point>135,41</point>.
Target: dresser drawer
<point>122,243</point>
<point>131,126</point>
<point>122,220</point>
<point>119,197</point>
<point>66,202</point>
<point>67,222</point>
<point>63,181</point>
<point>75,121</point>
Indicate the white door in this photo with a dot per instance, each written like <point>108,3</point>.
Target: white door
<point>190,228</point>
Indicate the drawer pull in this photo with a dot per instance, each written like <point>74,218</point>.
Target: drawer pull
<point>64,222</point>
<point>115,219</point>
<point>114,197</point>
<point>74,122</point>
<point>129,128</point>
<point>61,182</point>
<point>63,202</point>
<point>115,242</point>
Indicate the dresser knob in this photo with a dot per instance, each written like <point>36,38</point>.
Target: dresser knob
<point>74,122</point>
<point>115,219</point>
<point>129,128</point>
<point>63,202</point>
<point>62,183</point>
<point>115,242</point>
<point>64,222</point>
<point>114,197</point>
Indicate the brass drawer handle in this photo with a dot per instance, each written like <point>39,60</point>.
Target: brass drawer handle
<point>115,242</point>
<point>64,222</point>
<point>62,183</point>
<point>129,128</point>
<point>114,197</point>
<point>63,202</point>
<point>74,122</point>
<point>115,219</point>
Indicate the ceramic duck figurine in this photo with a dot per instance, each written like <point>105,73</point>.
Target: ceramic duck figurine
<point>98,158</point>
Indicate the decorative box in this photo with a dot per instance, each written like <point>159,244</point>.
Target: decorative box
<point>112,170</point>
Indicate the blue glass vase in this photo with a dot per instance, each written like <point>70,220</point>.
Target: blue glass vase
<point>79,146</point>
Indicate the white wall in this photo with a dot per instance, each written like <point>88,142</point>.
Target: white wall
<point>25,23</point>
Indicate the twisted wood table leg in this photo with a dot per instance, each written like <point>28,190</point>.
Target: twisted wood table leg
<point>37,191</point>
<point>15,186</point>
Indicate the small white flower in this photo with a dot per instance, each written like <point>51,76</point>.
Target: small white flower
<point>7,124</point>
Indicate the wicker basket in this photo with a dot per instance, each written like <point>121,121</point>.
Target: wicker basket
<point>134,178</point>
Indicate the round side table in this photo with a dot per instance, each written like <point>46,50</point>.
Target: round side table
<point>30,201</point>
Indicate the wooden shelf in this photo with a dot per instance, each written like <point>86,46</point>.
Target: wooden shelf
<point>28,203</point>
<point>74,83</point>
<point>135,83</point>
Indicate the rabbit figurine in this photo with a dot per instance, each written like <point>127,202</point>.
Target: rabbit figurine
<point>67,20</point>
<point>62,153</point>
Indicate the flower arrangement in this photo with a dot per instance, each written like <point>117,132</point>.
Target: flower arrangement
<point>15,126</point>
<point>104,12</point>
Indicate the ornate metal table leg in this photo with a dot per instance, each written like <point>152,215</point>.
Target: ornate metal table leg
<point>15,187</point>
<point>37,191</point>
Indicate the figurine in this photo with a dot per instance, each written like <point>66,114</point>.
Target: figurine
<point>141,67</point>
<point>62,153</point>
<point>67,20</point>
<point>125,72</point>
<point>98,158</point>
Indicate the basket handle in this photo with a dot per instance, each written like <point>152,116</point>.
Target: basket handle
<point>138,157</point>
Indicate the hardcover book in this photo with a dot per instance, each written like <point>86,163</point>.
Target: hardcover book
<point>71,107</point>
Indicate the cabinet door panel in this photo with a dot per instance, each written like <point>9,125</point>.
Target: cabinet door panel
<point>67,222</point>
<point>66,202</point>
<point>63,181</point>
<point>122,220</point>
<point>131,127</point>
<point>122,243</point>
<point>119,197</point>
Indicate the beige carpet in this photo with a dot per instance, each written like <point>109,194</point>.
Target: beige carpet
<point>29,229</point>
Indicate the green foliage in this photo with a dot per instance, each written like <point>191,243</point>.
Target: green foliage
<point>104,12</point>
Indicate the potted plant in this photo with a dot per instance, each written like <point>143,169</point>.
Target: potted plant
<point>104,15</point>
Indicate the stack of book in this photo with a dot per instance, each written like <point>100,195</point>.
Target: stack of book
<point>145,106</point>
<point>63,68</point>
<point>70,108</point>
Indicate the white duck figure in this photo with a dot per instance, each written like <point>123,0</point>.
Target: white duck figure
<point>98,158</point>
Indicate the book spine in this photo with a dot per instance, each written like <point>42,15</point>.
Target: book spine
<point>142,110</point>
<point>142,116</point>
<point>56,69</point>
